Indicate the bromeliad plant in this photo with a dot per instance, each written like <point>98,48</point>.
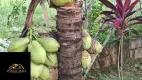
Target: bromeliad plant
<point>121,15</point>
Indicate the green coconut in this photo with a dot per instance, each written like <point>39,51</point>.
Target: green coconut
<point>36,70</point>
<point>50,44</point>
<point>61,2</point>
<point>45,74</point>
<point>86,60</point>
<point>18,45</point>
<point>51,60</point>
<point>96,47</point>
<point>38,53</point>
<point>86,38</point>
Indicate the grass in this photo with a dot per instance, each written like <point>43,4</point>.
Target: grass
<point>132,71</point>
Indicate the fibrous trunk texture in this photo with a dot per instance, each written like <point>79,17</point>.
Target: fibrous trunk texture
<point>69,26</point>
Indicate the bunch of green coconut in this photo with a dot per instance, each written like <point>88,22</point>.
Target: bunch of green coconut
<point>43,54</point>
<point>90,47</point>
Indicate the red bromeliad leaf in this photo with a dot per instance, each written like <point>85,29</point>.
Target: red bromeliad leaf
<point>108,20</point>
<point>120,6</point>
<point>131,13</point>
<point>108,4</point>
<point>127,4</point>
<point>139,18</point>
<point>117,22</point>
<point>105,29</point>
<point>132,6</point>
<point>107,12</point>
<point>139,22</point>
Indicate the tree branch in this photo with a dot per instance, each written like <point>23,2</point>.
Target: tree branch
<point>45,12</point>
<point>90,5</point>
<point>88,8</point>
<point>29,17</point>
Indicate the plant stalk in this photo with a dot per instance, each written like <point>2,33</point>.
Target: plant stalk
<point>120,59</point>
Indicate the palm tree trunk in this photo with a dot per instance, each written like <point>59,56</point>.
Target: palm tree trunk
<point>69,27</point>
